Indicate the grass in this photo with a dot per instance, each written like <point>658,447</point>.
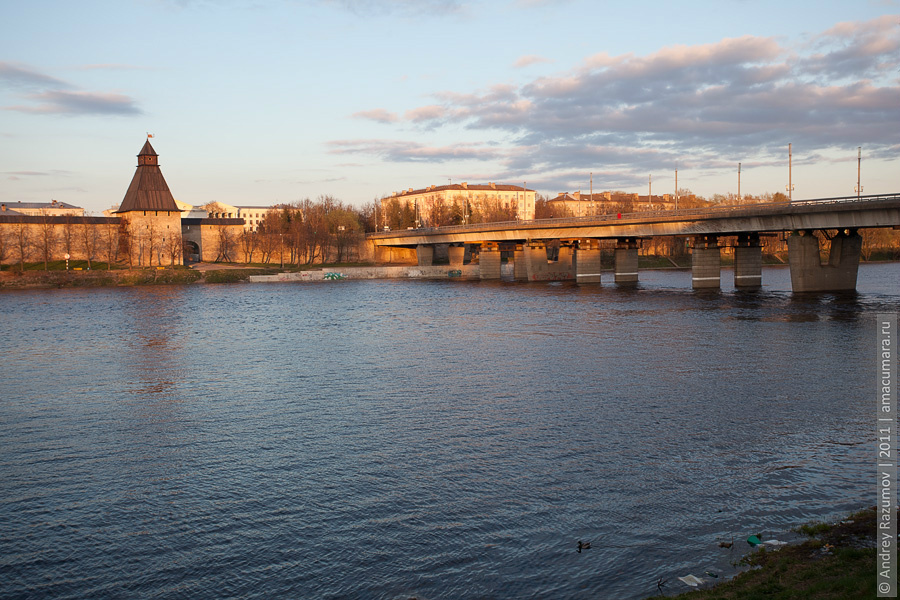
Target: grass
<point>837,562</point>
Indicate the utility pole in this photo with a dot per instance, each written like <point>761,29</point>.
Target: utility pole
<point>790,185</point>
<point>858,169</point>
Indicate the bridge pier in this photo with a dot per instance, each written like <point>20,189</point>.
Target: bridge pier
<point>748,261</point>
<point>626,261</point>
<point>489,261</point>
<point>536,265</point>
<point>394,254</point>
<point>808,274</point>
<point>562,268</point>
<point>520,272</point>
<point>425,255</point>
<point>587,261</point>
<point>706,262</point>
<point>456,255</point>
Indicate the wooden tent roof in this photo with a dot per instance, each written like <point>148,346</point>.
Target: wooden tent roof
<point>148,189</point>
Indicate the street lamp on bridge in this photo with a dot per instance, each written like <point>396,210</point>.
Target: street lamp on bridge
<point>790,186</point>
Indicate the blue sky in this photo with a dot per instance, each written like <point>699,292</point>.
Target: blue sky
<point>264,101</point>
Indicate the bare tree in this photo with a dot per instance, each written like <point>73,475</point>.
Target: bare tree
<point>111,243</point>
<point>151,234</point>
<point>4,246</point>
<point>247,240</point>
<point>46,239</point>
<point>174,247</point>
<point>69,236</point>
<point>125,241</point>
<point>225,242</point>
<point>22,241</point>
<point>88,238</point>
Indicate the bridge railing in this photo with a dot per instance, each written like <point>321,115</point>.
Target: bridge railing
<point>680,214</point>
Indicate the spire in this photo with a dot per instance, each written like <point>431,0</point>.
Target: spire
<point>148,189</point>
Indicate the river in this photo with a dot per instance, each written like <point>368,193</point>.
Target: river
<point>427,439</point>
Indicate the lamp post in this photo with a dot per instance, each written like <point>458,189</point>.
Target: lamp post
<point>790,185</point>
<point>676,189</point>
<point>739,184</point>
<point>858,169</point>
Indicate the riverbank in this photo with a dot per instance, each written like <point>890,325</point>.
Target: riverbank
<point>836,562</point>
<point>57,276</point>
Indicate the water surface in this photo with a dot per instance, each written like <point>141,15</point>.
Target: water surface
<point>444,439</point>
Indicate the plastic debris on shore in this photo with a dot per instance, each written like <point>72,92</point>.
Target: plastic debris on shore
<point>691,580</point>
<point>754,540</point>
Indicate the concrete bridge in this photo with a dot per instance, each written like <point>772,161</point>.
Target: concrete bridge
<point>579,237</point>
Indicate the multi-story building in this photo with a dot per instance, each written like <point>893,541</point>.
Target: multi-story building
<point>576,204</point>
<point>54,208</point>
<point>252,215</point>
<point>493,198</point>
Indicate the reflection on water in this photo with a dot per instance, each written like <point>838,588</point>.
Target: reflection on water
<point>392,439</point>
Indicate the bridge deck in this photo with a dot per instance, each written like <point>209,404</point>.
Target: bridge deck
<point>826,213</point>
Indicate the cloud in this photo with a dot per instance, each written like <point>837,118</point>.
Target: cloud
<point>113,67</point>
<point>719,103</point>
<point>422,114</point>
<point>78,103</point>
<point>528,60</point>
<point>379,115</point>
<point>401,151</point>
<point>410,8</point>
<point>25,77</point>
<point>52,173</point>
<point>50,95</point>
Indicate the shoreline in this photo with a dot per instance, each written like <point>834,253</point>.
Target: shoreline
<point>211,273</point>
<point>836,561</point>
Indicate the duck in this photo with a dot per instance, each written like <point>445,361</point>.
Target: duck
<point>583,545</point>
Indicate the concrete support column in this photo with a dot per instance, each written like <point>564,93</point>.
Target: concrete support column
<point>626,261</point>
<point>564,259</point>
<point>456,255</point>
<point>520,273</point>
<point>587,262</point>
<point>489,261</point>
<point>706,263</point>
<point>382,254</point>
<point>562,268</point>
<point>536,261</point>
<point>808,274</point>
<point>425,255</point>
<point>748,261</point>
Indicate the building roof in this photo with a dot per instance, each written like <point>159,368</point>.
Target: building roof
<point>463,187</point>
<point>6,210</point>
<point>148,189</point>
<point>39,205</point>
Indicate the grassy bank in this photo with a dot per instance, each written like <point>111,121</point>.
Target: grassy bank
<point>836,562</point>
<point>56,275</point>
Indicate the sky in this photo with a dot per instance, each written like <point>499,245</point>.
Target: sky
<point>257,102</point>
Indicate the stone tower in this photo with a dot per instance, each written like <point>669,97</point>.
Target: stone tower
<point>153,231</point>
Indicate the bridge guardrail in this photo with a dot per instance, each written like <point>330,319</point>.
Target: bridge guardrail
<point>734,209</point>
